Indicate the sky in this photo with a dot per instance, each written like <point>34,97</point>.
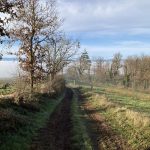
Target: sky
<point>103,27</point>
<point>8,69</point>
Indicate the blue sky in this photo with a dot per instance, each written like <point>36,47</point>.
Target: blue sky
<point>105,27</point>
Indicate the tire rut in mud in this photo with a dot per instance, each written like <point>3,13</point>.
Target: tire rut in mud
<point>56,134</point>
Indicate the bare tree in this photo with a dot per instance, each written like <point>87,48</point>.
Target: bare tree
<point>137,70</point>
<point>115,66</point>
<point>59,53</point>
<point>36,22</point>
<point>100,69</point>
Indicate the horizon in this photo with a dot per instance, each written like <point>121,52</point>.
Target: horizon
<point>103,27</point>
<point>106,27</point>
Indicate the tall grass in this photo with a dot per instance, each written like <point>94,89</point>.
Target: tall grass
<point>134,126</point>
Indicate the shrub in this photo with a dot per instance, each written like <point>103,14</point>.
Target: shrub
<point>58,84</point>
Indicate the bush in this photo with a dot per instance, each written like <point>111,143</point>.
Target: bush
<point>58,84</point>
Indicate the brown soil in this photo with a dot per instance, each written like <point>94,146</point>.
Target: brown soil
<point>56,134</point>
<point>102,135</point>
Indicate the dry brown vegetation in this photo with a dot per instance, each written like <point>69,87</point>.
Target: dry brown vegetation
<point>127,120</point>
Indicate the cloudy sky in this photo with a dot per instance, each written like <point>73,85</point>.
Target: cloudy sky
<point>105,27</point>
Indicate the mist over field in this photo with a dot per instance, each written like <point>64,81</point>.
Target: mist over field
<point>8,69</point>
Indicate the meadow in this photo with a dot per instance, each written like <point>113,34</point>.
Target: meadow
<point>126,112</point>
<point>6,86</point>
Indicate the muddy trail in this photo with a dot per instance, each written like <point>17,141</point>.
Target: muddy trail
<point>56,134</point>
<point>101,134</point>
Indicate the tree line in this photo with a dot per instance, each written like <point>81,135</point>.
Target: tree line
<point>131,72</point>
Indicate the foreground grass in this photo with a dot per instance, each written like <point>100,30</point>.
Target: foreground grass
<point>80,139</point>
<point>22,137</point>
<point>128,116</point>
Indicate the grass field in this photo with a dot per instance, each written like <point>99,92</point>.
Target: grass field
<point>8,90</point>
<point>127,112</point>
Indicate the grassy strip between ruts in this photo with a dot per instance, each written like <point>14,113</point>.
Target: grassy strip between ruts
<point>80,139</point>
<point>21,139</point>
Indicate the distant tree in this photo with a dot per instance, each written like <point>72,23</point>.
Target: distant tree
<point>85,62</point>
<point>115,66</point>
<point>126,80</point>
<point>145,71</point>
<point>85,67</point>
<point>100,69</point>
<point>137,72</point>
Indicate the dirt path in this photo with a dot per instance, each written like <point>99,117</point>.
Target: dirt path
<point>56,134</point>
<point>102,135</point>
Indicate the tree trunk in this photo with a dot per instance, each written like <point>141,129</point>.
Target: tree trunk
<point>53,76</point>
<point>32,66</point>
<point>31,80</point>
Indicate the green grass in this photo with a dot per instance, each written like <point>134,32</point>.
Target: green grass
<point>80,139</point>
<point>21,139</point>
<point>129,116</point>
<point>6,91</point>
<point>124,97</point>
<point>10,89</point>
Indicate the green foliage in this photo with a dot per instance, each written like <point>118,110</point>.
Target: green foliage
<point>85,62</point>
<point>5,91</point>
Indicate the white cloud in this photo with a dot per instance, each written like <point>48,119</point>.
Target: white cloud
<point>134,44</point>
<point>106,15</point>
<point>126,48</point>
